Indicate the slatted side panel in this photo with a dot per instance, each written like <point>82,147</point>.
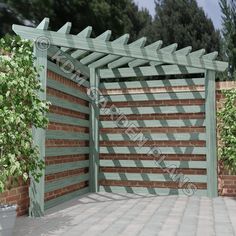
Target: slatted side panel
<point>152,137</point>
<point>67,140</point>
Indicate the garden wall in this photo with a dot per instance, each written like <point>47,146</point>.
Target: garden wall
<point>67,146</point>
<point>163,115</point>
<point>19,195</point>
<point>67,140</point>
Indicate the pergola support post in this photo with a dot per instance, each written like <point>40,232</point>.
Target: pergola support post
<point>94,131</point>
<point>36,190</point>
<point>211,145</point>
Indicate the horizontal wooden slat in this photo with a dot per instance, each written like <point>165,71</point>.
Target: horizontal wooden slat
<point>157,103</point>
<point>154,110</point>
<point>50,152</point>
<point>67,104</point>
<point>152,143</point>
<point>159,116</point>
<point>137,157</point>
<point>156,123</point>
<point>154,136</point>
<point>61,183</point>
<point>53,117</point>
<point>147,191</point>
<point>154,90</point>
<point>51,83</point>
<point>153,83</point>
<point>153,163</point>
<point>155,96</point>
<point>145,150</point>
<point>52,169</point>
<point>192,129</point>
<point>59,134</point>
<point>71,76</point>
<point>66,197</point>
<point>147,71</point>
<point>153,177</point>
<point>154,170</point>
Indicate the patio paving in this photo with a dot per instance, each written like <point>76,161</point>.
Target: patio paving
<point>110,214</point>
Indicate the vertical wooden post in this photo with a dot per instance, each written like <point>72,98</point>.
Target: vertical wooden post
<point>36,190</point>
<point>212,188</point>
<point>94,131</point>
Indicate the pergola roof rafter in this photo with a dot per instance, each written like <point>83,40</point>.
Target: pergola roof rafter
<point>154,46</point>
<point>124,60</point>
<point>97,55</point>
<point>117,56</point>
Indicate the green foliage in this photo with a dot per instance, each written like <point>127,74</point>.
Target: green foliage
<point>227,128</point>
<point>185,23</point>
<point>228,9</point>
<point>179,21</point>
<point>120,16</point>
<point>20,109</point>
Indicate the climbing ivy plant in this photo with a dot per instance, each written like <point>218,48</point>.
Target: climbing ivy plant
<point>227,129</point>
<point>20,110</point>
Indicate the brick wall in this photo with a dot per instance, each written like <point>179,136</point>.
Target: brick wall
<point>226,181</point>
<point>162,104</point>
<point>61,142</point>
<point>19,195</point>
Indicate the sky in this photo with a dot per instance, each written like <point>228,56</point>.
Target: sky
<point>211,8</point>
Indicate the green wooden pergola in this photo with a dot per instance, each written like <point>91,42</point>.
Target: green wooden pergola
<point>99,58</point>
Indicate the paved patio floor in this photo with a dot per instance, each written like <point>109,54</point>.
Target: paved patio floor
<point>129,214</point>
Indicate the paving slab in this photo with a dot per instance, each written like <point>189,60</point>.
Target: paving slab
<point>132,214</point>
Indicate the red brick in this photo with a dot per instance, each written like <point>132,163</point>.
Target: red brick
<point>155,130</point>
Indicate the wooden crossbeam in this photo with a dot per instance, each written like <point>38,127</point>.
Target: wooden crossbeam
<point>84,33</point>
<point>60,56</point>
<point>63,57</point>
<point>184,51</point>
<point>104,37</point>
<point>154,46</point>
<point>147,71</point>
<point>211,56</point>
<point>65,28</point>
<point>109,58</point>
<point>44,24</point>
<point>199,53</point>
<point>124,60</point>
<point>97,45</point>
<point>97,55</point>
<point>168,49</point>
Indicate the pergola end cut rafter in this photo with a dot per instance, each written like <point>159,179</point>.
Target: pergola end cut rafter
<point>113,56</point>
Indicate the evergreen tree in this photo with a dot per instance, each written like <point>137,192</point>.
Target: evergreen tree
<point>120,16</point>
<point>184,22</point>
<point>228,9</point>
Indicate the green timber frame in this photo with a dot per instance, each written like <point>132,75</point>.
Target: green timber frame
<point>91,63</point>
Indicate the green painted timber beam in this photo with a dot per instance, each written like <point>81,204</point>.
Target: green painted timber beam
<point>36,189</point>
<point>211,151</point>
<point>97,45</point>
<point>147,71</point>
<point>94,134</point>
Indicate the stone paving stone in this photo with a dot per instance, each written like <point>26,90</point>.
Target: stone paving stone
<point>109,214</point>
<point>206,232</point>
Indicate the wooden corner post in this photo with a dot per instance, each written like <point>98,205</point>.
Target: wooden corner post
<point>94,131</point>
<point>36,190</point>
<point>211,146</point>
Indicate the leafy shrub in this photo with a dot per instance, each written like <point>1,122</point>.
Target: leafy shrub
<point>227,128</point>
<point>20,109</point>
